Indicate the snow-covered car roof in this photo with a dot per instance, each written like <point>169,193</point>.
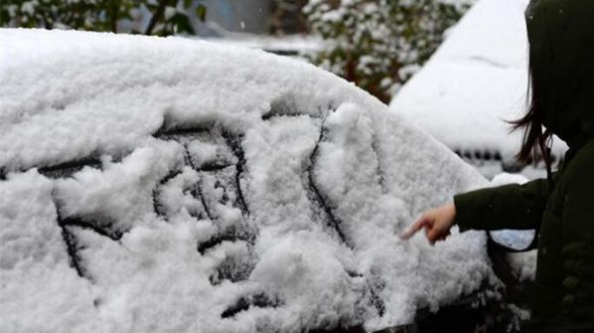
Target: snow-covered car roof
<point>170,185</point>
<point>474,83</point>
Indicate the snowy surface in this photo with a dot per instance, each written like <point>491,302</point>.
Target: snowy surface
<point>169,185</point>
<point>523,264</point>
<point>508,178</point>
<point>476,81</point>
<point>491,169</point>
<point>291,44</point>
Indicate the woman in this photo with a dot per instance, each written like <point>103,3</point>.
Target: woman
<point>561,208</point>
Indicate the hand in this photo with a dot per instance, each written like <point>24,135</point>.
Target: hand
<point>436,222</point>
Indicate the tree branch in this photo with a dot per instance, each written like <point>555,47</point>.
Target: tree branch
<point>115,8</point>
<point>156,17</point>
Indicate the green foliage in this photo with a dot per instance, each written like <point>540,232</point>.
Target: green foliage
<point>167,17</point>
<point>201,12</point>
<point>380,44</point>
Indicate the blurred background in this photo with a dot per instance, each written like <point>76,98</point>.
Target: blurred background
<point>456,68</point>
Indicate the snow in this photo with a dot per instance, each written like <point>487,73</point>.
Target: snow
<point>477,80</point>
<point>508,178</point>
<point>493,168</point>
<point>524,264</point>
<point>291,44</point>
<point>171,185</point>
<point>39,291</point>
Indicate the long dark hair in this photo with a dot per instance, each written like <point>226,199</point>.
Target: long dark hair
<point>536,142</point>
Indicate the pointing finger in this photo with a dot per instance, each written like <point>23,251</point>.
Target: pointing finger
<point>420,224</point>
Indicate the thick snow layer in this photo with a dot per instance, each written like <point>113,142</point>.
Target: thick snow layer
<point>168,185</point>
<point>477,80</point>
<point>291,44</point>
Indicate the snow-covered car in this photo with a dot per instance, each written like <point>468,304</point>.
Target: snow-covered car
<point>170,185</point>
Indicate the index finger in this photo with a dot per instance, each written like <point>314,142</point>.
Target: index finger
<point>420,224</point>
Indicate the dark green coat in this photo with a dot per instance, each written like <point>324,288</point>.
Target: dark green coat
<point>561,34</point>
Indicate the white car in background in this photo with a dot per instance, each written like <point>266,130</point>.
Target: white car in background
<point>169,185</point>
<point>475,82</point>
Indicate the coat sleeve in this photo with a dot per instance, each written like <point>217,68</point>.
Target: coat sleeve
<point>506,207</point>
<point>578,246</point>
